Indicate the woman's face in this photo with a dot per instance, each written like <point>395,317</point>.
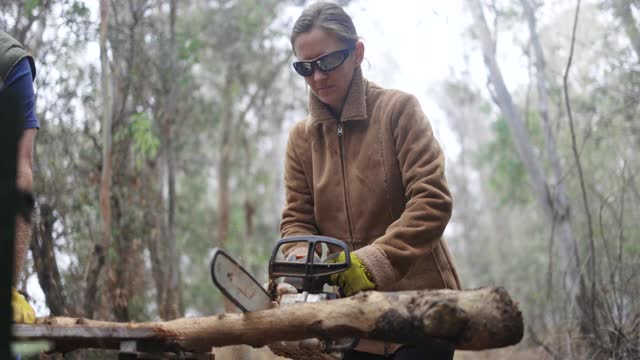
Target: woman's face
<point>330,87</point>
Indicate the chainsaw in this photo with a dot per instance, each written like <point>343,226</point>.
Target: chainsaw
<point>303,262</point>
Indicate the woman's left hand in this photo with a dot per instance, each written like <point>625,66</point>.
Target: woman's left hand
<point>354,279</point>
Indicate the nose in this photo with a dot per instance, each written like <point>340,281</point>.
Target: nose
<point>318,75</point>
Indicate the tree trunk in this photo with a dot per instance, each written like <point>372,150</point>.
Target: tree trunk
<point>172,300</point>
<point>95,264</point>
<point>622,10</point>
<point>105,180</point>
<point>559,198</point>
<point>42,246</point>
<point>225,162</point>
<point>120,274</point>
<point>172,304</point>
<point>554,205</point>
<point>469,320</point>
<point>155,239</point>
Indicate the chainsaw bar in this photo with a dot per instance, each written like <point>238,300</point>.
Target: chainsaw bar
<point>237,284</point>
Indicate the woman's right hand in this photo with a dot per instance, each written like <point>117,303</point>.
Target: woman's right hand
<point>285,288</point>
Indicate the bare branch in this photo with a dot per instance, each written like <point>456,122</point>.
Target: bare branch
<point>576,154</point>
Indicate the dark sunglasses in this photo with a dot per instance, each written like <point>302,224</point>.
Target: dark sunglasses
<point>324,63</point>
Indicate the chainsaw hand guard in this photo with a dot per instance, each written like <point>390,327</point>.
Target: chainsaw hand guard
<point>304,257</point>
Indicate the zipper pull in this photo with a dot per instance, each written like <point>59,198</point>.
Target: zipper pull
<point>339,128</point>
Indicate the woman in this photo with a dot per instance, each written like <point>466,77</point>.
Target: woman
<point>364,167</point>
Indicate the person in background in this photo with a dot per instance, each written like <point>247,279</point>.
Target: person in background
<point>17,72</point>
<point>364,167</point>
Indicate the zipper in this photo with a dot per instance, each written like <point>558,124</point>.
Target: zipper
<point>344,179</point>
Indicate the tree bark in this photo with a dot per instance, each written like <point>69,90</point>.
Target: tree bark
<point>172,304</point>
<point>172,300</point>
<point>559,198</point>
<point>547,200</point>
<point>158,268</point>
<point>42,246</point>
<point>469,320</point>
<point>622,10</point>
<point>105,179</point>
<point>162,243</point>
<point>155,240</point>
<point>225,161</point>
<point>120,274</point>
<point>95,264</point>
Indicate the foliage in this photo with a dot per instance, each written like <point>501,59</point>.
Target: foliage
<point>508,178</point>
<point>145,143</point>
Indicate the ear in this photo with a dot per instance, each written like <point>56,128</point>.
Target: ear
<point>359,52</point>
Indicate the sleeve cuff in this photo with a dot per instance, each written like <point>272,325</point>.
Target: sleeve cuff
<point>376,262</point>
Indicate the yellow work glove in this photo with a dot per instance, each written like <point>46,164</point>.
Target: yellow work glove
<point>354,279</point>
<point>23,313</point>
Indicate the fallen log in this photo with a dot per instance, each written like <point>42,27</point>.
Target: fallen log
<point>469,320</point>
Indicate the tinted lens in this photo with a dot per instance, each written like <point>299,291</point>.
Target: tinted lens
<point>331,61</point>
<point>303,68</point>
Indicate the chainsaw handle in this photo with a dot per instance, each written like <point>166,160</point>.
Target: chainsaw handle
<point>309,271</point>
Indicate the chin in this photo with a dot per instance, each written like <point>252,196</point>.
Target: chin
<point>328,100</point>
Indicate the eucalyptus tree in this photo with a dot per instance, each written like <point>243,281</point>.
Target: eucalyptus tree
<point>586,122</point>
<point>552,200</point>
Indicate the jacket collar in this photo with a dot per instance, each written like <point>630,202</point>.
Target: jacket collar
<point>355,106</point>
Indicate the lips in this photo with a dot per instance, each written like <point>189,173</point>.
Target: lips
<point>324,89</point>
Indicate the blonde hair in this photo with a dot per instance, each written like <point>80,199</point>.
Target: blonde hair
<point>328,17</point>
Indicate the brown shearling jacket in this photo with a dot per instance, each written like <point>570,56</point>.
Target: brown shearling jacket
<point>375,179</point>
